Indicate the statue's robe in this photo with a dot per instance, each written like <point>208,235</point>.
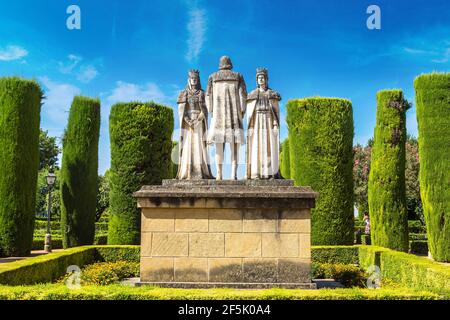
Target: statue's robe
<point>263,136</point>
<point>193,151</point>
<point>226,97</point>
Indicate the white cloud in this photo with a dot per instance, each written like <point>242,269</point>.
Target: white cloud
<point>197,31</point>
<point>11,53</point>
<point>84,72</point>
<point>67,68</point>
<point>126,92</point>
<point>87,73</point>
<point>58,99</point>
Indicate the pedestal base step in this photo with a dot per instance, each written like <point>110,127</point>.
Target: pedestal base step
<point>234,285</point>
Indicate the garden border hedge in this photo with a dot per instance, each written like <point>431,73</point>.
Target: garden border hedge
<point>406,269</point>
<point>47,268</point>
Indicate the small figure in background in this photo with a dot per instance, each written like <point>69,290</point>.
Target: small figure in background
<point>366,221</point>
<point>194,158</point>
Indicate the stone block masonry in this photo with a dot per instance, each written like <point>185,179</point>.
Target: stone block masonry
<point>207,233</point>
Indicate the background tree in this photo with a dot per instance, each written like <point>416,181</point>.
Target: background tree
<point>79,172</point>
<point>432,102</point>
<point>103,194</point>
<point>48,150</point>
<point>141,148</point>
<point>320,143</point>
<point>20,106</point>
<point>413,200</point>
<point>361,169</point>
<point>386,188</point>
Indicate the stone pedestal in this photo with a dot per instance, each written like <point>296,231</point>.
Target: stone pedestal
<point>207,233</point>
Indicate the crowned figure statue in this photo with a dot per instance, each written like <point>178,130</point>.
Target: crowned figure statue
<point>263,136</point>
<point>193,150</point>
<point>226,97</point>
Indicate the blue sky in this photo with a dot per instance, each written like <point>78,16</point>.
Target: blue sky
<point>142,50</point>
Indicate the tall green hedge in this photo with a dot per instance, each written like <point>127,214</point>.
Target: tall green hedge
<point>141,146</point>
<point>285,160</point>
<point>20,107</point>
<point>386,187</point>
<point>321,151</point>
<point>433,117</point>
<point>79,172</point>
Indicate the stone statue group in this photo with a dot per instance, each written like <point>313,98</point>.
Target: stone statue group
<point>227,101</point>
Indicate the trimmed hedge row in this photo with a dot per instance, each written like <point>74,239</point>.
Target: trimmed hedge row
<point>433,101</point>
<point>321,152</point>
<point>141,147</point>
<point>120,292</point>
<point>79,173</point>
<point>335,254</point>
<point>47,268</point>
<point>38,242</point>
<point>406,269</point>
<point>20,106</point>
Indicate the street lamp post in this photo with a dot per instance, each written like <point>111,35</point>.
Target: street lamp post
<point>51,179</point>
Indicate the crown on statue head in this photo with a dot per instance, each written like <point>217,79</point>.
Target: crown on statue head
<point>194,73</point>
<point>262,71</point>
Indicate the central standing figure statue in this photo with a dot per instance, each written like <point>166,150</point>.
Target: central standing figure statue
<point>226,97</point>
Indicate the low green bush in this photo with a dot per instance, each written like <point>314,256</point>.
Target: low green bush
<point>334,254</point>
<point>38,243</point>
<point>348,275</point>
<point>106,273</point>
<point>129,253</point>
<point>418,236</point>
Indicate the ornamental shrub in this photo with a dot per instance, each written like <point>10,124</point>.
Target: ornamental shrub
<point>20,106</point>
<point>321,143</point>
<point>141,146</point>
<point>386,188</point>
<point>433,110</point>
<point>285,160</point>
<point>78,185</point>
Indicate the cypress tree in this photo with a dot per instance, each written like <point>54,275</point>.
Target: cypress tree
<point>79,173</point>
<point>141,147</point>
<point>433,117</point>
<point>321,152</point>
<point>386,187</point>
<point>20,106</point>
